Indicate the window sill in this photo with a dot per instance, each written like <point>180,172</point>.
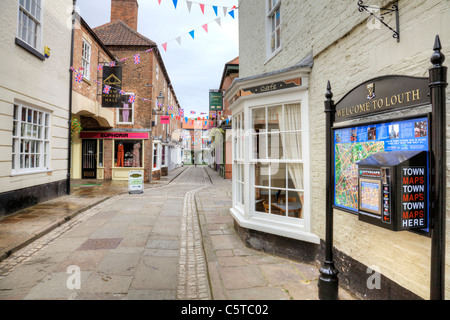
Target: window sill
<point>273,55</point>
<point>29,48</point>
<point>23,173</point>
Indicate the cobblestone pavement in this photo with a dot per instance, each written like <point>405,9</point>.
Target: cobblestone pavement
<point>145,246</point>
<point>176,241</point>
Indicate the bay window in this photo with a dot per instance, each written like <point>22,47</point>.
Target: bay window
<point>277,160</point>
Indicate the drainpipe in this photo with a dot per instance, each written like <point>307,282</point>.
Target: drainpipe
<point>69,158</point>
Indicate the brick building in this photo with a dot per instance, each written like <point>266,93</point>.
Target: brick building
<point>88,155</point>
<point>134,138</point>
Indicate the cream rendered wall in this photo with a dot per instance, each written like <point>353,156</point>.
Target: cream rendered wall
<point>42,84</point>
<point>347,52</point>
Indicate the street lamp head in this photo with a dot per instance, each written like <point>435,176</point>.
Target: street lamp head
<point>160,99</point>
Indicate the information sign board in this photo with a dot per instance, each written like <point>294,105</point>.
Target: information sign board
<point>354,144</point>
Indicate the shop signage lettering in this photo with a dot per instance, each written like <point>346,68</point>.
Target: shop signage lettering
<point>413,197</point>
<point>114,135</point>
<point>381,95</point>
<point>274,86</point>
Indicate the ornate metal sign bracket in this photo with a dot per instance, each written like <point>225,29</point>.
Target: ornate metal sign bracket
<point>379,13</point>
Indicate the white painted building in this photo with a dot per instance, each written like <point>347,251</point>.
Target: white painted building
<point>288,52</point>
<point>35,46</point>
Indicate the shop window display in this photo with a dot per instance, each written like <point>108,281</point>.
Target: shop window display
<point>128,154</point>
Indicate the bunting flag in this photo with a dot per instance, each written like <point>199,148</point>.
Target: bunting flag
<point>192,34</point>
<point>215,9</point>
<point>205,26</point>
<point>164,45</point>
<point>202,7</point>
<point>79,77</point>
<point>175,2</point>
<point>193,112</point>
<point>132,98</point>
<point>112,64</point>
<point>137,58</point>
<point>106,89</point>
<point>99,67</point>
<point>122,92</point>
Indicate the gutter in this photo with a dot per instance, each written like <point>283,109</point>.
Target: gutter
<point>69,157</point>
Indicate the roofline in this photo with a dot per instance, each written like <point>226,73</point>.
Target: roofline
<point>97,39</point>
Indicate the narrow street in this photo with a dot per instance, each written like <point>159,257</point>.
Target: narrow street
<point>174,241</point>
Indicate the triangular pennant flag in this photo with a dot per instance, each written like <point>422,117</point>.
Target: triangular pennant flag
<point>219,22</point>
<point>205,26</point>
<point>202,7</point>
<point>215,10</point>
<point>175,2</point>
<point>159,1</point>
<point>192,34</point>
<point>189,5</point>
<point>225,10</point>
<point>231,13</point>
<point>164,45</point>
<point>178,40</point>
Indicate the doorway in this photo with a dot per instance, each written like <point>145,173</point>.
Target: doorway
<point>89,159</point>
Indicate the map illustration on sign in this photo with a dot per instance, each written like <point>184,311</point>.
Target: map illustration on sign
<point>357,143</point>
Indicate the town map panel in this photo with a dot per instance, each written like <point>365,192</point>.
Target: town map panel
<point>357,143</point>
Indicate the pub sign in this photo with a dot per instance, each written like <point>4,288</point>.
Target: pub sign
<point>111,86</point>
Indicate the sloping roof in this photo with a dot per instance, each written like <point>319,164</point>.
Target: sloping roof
<point>117,33</point>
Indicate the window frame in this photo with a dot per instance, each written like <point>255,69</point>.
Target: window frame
<point>86,59</point>
<point>274,162</point>
<point>36,18</point>
<point>40,142</point>
<point>270,13</point>
<point>125,96</point>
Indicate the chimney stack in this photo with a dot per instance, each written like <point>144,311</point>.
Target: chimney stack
<point>125,10</point>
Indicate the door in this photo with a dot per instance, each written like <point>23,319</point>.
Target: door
<point>89,159</point>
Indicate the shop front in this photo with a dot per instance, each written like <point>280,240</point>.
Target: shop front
<point>110,155</point>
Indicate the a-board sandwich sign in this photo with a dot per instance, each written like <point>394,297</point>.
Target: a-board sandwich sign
<point>135,181</point>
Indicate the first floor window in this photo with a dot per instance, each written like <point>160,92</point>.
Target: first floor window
<point>31,139</point>
<point>86,59</point>
<point>125,114</point>
<point>29,29</point>
<point>274,25</point>
<point>128,153</point>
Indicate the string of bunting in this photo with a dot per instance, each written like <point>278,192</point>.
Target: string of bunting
<point>78,73</point>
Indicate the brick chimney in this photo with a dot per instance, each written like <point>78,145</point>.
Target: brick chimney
<point>125,10</point>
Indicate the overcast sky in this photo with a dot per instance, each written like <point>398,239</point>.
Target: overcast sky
<point>195,66</point>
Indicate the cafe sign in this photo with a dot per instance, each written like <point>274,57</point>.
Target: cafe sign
<point>383,94</point>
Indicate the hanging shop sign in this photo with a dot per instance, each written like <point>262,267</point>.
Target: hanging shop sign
<point>115,135</point>
<point>165,120</point>
<point>135,181</point>
<point>215,100</point>
<point>111,87</point>
<point>383,94</point>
